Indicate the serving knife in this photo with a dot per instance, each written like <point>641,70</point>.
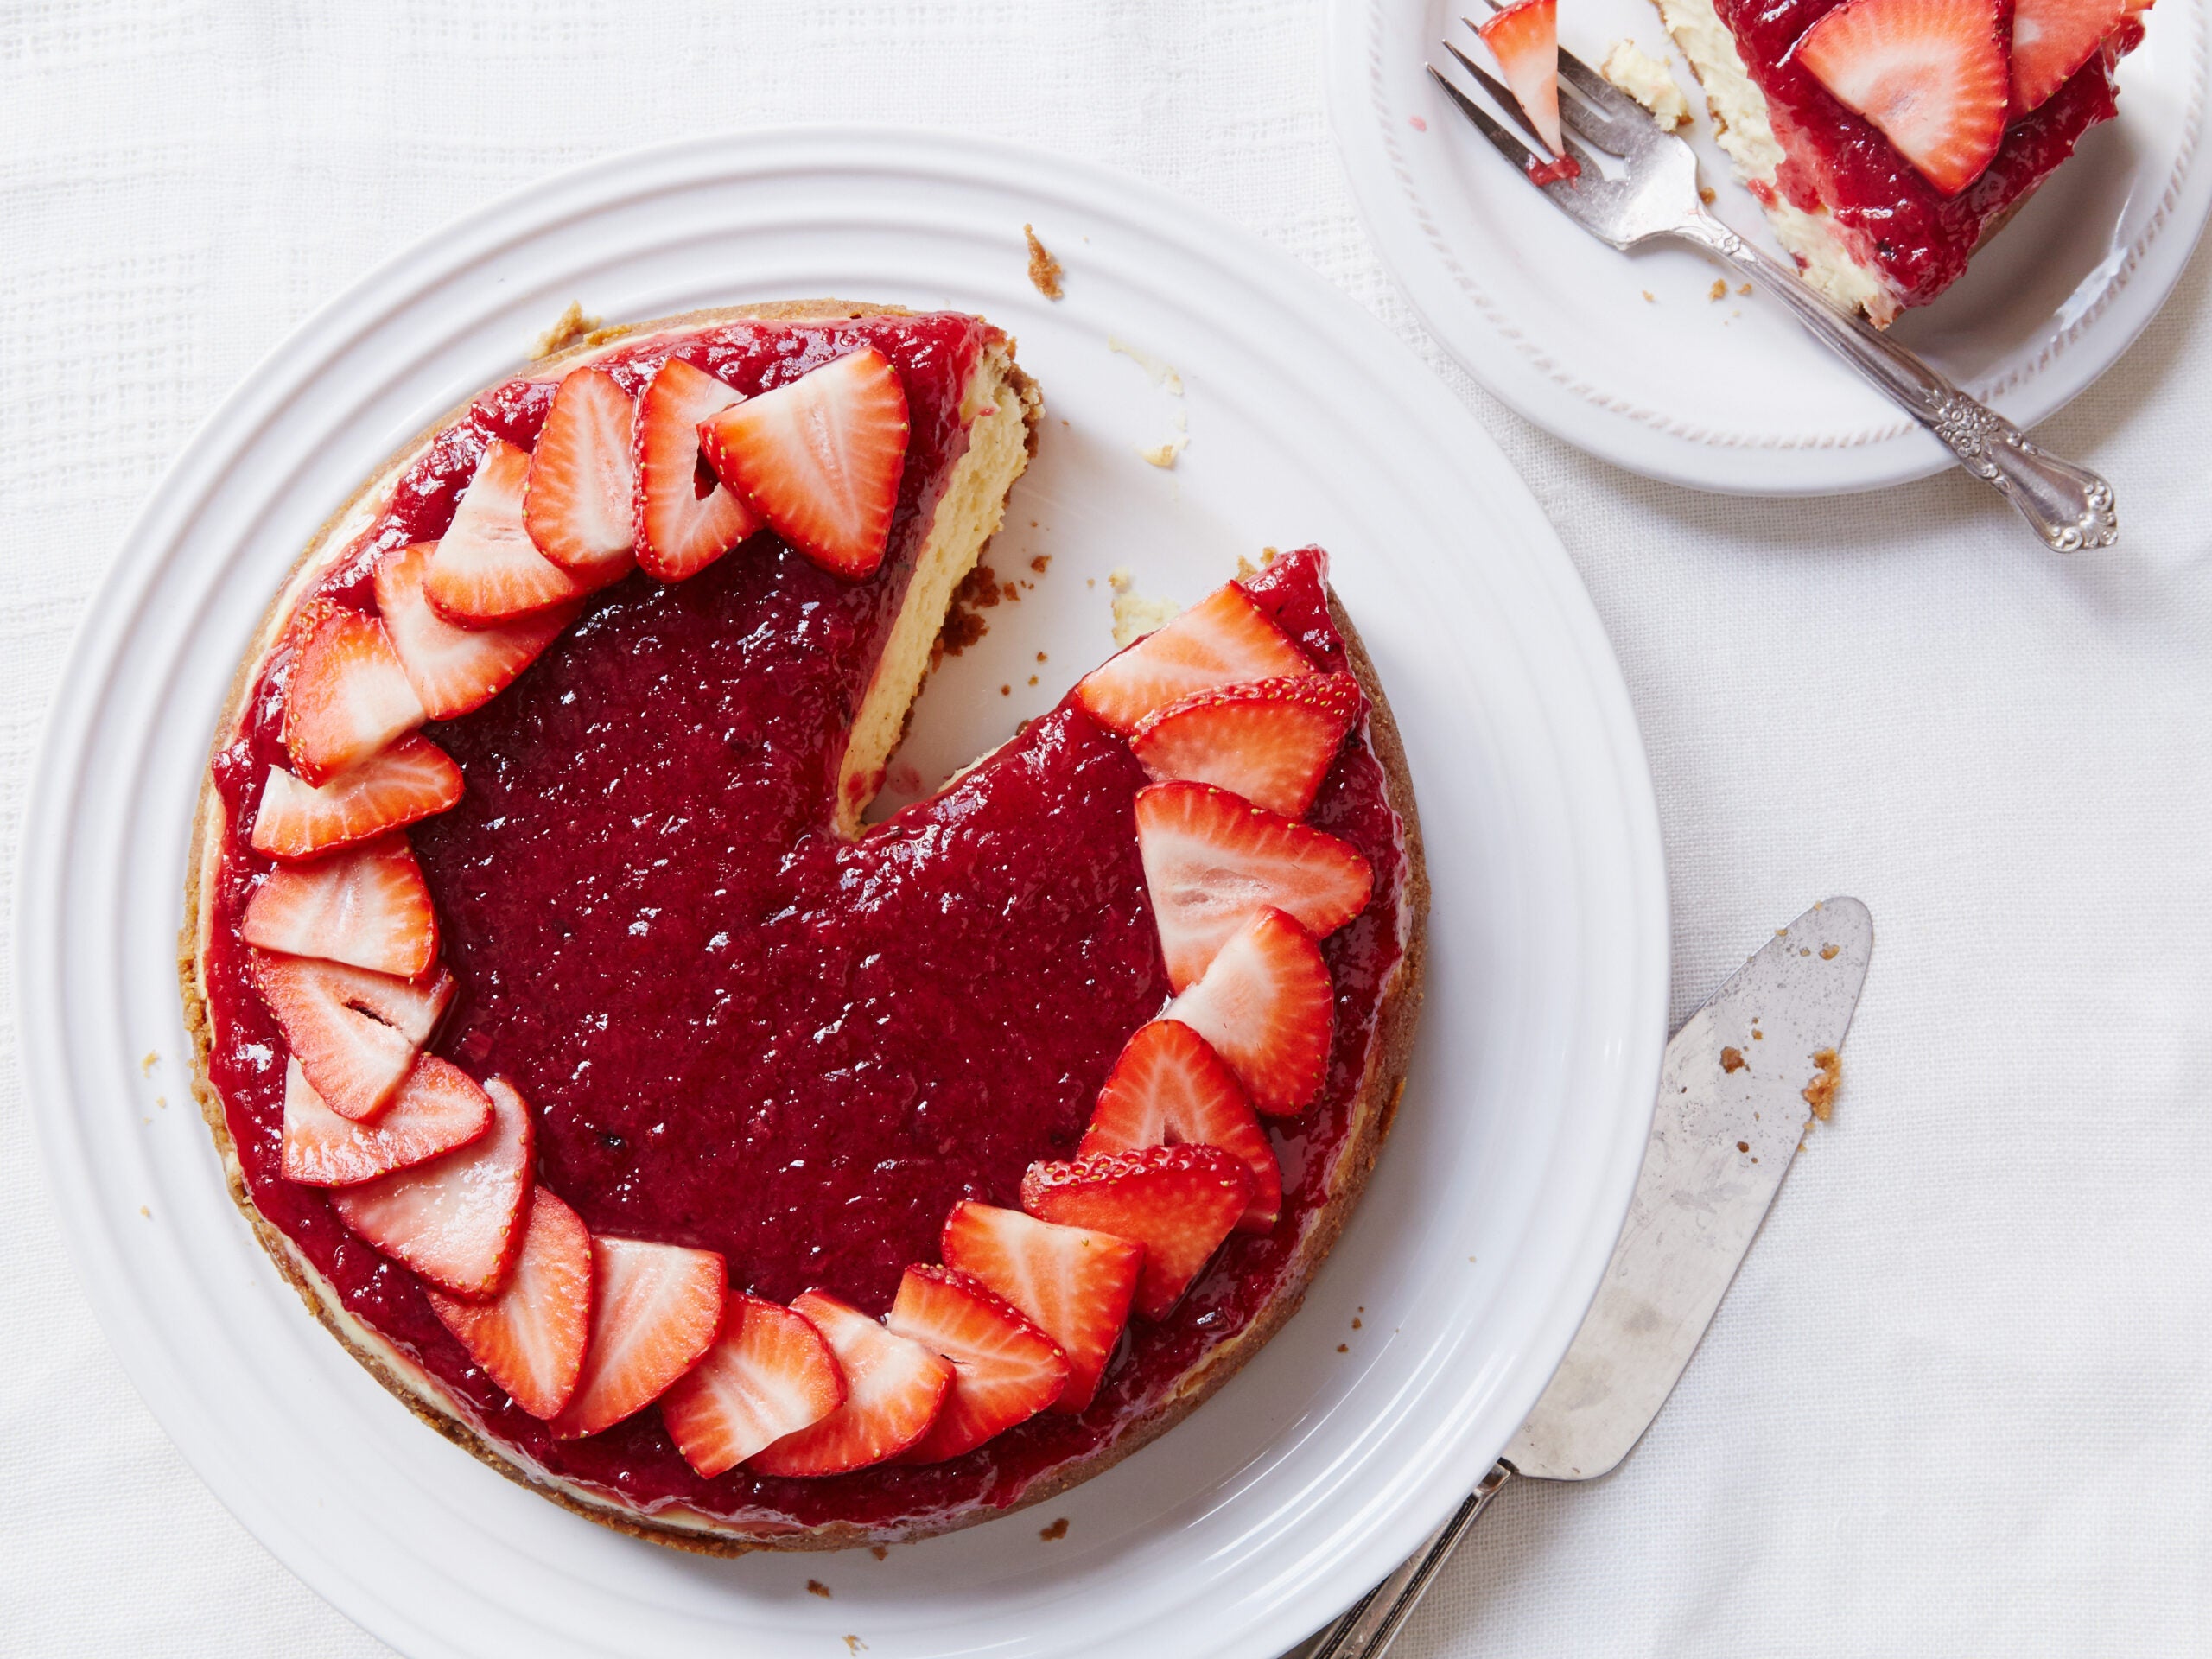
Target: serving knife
<point>1738,1086</point>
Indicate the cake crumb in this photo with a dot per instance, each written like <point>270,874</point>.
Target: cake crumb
<point>1743,288</point>
<point>1344,1348</point>
<point>1044,272</point>
<point>1820,1093</point>
<point>146,1066</point>
<point>815,1588</point>
<point>144,1211</point>
<point>1042,562</point>
<point>1647,298</point>
<point>1743,1146</point>
<point>1006,690</point>
<point>570,326</point>
<point>880,1551</point>
<point>854,1644</point>
<point>1707,194</point>
<point>1033,679</point>
<point>1827,952</point>
<point>1649,81</point>
<point>1053,1534</point>
<point>978,591</point>
<point>1719,290</point>
<point>1732,1060</point>
<point>1355,1322</point>
<point>1135,616</point>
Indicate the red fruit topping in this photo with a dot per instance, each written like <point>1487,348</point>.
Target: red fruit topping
<point>354,1034</point>
<point>579,502</point>
<point>685,519</point>
<point>365,906</point>
<point>769,1374</point>
<point>529,1338</point>
<point>820,459</point>
<point>1933,75</point>
<point>1075,1285</point>
<point>454,670</point>
<point>486,568</point>
<point>1266,1004</point>
<point>1221,640</point>
<point>411,780</point>
<point>654,1310</point>
<point>456,1220</point>
<point>1178,1202</point>
<point>1270,742</point>
<point>894,1387</point>
<point>1213,861</point>
<point>1170,1088</point>
<point>1524,39</point>
<point>2052,39</point>
<point>438,1108</point>
<point>1004,1370</point>
<point>348,695</point>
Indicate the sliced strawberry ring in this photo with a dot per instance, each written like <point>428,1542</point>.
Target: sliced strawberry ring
<point>456,1220</point>
<point>1524,39</point>
<point>411,779</point>
<point>1004,1370</point>
<point>437,1109</point>
<point>1170,1088</point>
<point>769,1374</point>
<point>1933,76</point>
<point>579,502</point>
<point>486,570</point>
<point>354,1034</point>
<point>894,1387</point>
<point>1075,1285</point>
<point>1212,861</point>
<point>820,459</point>
<point>655,1310</point>
<point>1266,1004</point>
<point>529,1338</point>
<point>1222,640</point>
<point>454,669</point>
<point>346,695</point>
<point>1178,1202</point>
<point>2051,39</point>
<point>1270,741</point>
<point>684,518</point>
<point>367,906</point>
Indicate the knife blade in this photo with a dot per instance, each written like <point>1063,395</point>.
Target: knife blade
<point>1737,1088</point>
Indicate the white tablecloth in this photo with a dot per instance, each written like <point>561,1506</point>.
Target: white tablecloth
<point>1958,1401</point>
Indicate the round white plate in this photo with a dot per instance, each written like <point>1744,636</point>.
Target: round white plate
<point>1627,355</point>
<point>1497,1200</point>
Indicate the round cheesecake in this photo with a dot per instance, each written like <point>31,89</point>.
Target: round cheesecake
<point>636,968</point>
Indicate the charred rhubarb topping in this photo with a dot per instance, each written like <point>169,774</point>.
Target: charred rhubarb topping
<point>706,1154</point>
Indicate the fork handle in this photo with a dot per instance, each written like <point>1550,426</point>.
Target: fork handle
<point>2071,507</point>
<point>1372,1622</point>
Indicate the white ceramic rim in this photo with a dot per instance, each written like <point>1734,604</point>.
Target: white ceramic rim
<point>102,862</point>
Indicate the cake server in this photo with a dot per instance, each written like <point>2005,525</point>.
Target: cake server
<point>1656,197</point>
<point>1735,1091</point>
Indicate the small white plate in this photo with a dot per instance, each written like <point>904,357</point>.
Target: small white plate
<point>1496,1202</point>
<point>1627,355</point>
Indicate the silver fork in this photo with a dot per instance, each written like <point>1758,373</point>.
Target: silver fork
<point>1657,196</point>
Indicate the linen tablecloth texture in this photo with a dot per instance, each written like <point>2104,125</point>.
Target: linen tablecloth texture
<point>1957,1401</point>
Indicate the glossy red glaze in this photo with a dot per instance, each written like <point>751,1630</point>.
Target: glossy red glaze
<point>738,1031</point>
<point>1919,237</point>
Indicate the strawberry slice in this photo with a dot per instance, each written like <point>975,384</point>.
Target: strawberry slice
<point>1933,75</point>
<point>578,502</point>
<point>1004,1370</point>
<point>529,1338</point>
<point>1270,741</point>
<point>1266,1004</point>
<point>1074,1285</point>
<point>2051,39</point>
<point>367,906</point>
<point>411,780</point>
<point>1524,39</point>
<point>348,695</point>
<point>685,519</point>
<point>893,1388</point>
<point>456,1220</point>
<point>438,1108</point>
<point>454,669</point>
<point>768,1374</point>
<point>820,459</point>
<point>655,1309</point>
<point>1213,861</point>
<point>354,1034</point>
<point>1178,1202</point>
<point>1170,1088</point>
<point>1221,640</point>
<point>486,568</point>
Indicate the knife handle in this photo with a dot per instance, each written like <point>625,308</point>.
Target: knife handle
<point>1368,1629</point>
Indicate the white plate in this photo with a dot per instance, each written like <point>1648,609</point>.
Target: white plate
<point>1497,1200</point>
<point>1628,357</point>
